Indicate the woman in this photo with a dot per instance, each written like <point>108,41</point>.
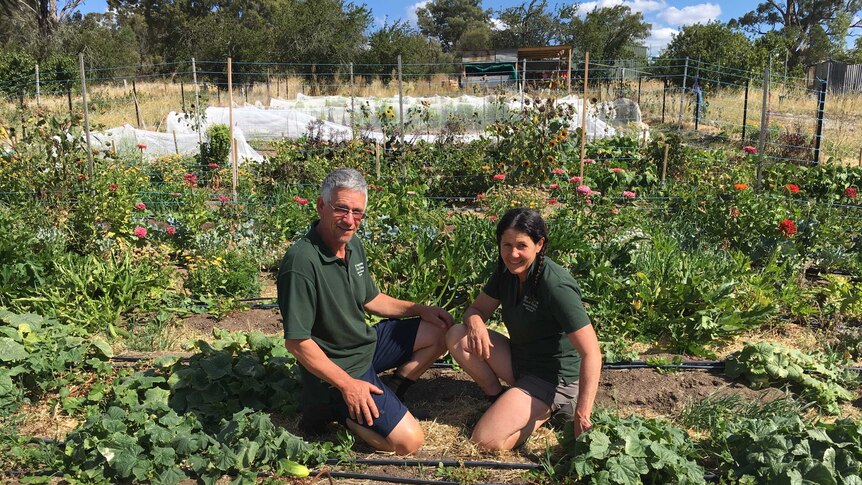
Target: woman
<point>551,359</point>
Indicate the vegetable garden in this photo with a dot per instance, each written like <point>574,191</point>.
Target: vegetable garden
<point>691,268</point>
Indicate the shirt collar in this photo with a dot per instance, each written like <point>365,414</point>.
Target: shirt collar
<point>326,254</point>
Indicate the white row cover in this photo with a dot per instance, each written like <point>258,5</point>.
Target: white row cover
<point>126,139</point>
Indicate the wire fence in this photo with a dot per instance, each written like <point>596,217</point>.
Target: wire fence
<point>806,123</point>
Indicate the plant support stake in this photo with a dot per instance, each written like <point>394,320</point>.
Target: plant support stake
<point>86,117</point>
<point>764,127</point>
<point>197,102</point>
<point>745,109</point>
<point>38,93</point>
<point>400,103</point>
<point>821,106</point>
<point>230,121</point>
<point>584,111</point>
<point>682,93</point>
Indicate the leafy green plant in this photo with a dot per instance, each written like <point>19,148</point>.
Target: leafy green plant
<point>632,450</point>
<point>783,449</point>
<point>767,364</point>
<point>233,275</point>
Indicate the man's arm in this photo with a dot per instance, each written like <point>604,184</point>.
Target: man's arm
<point>387,307</point>
<point>356,393</point>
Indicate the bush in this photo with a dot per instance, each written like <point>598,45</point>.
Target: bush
<point>234,275</point>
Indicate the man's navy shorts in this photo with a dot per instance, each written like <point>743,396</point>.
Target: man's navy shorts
<point>395,340</point>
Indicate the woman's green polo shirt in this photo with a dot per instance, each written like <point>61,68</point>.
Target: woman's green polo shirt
<point>323,297</point>
<point>539,323</point>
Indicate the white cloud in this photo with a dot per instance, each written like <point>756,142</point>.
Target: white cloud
<point>693,14</point>
<point>659,38</point>
<point>497,24</point>
<point>636,6</point>
<point>412,18</point>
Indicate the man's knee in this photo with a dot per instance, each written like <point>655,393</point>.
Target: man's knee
<point>407,437</point>
<point>454,336</point>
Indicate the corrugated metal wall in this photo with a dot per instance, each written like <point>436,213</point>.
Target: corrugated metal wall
<point>842,78</point>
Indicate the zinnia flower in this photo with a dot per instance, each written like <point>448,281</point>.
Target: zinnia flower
<point>223,199</point>
<point>141,206</point>
<point>788,227</point>
<point>212,165</point>
<point>140,232</point>
<point>481,196</point>
<point>584,190</point>
<point>500,176</point>
<point>554,186</point>
<point>142,147</point>
<point>190,179</point>
<point>299,200</point>
<point>617,170</point>
<point>552,201</point>
<point>175,194</point>
<point>486,167</point>
<point>576,180</point>
<point>740,186</point>
<point>171,230</point>
<point>558,171</point>
<point>112,187</point>
<point>850,192</point>
<point>629,194</point>
<point>792,188</point>
<point>749,149</point>
<point>588,161</point>
<point>82,177</point>
<point>492,218</point>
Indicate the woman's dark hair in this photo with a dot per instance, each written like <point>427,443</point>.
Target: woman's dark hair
<point>529,222</point>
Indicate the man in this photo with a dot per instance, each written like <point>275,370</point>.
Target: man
<point>324,290</point>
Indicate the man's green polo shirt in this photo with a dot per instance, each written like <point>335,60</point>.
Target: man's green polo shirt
<point>322,297</point>
<point>539,324</point>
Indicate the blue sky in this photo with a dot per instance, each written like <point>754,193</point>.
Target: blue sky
<point>666,16</point>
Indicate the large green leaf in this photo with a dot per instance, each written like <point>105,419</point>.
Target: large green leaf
<point>624,470</point>
<point>11,351</point>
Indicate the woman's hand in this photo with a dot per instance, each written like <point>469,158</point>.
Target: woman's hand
<point>478,341</point>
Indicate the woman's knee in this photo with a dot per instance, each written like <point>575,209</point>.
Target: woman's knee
<point>455,336</point>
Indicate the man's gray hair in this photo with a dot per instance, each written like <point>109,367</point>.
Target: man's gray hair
<point>343,178</point>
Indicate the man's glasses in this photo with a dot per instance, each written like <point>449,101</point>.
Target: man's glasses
<point>357,215</point>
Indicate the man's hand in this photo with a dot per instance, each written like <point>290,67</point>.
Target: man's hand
<point>582,424</point>
<point>360,404</point>
<point>436,316</point>
<point>478,341</point>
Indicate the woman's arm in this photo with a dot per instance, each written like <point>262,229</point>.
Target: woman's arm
<point>587,344</point>
<point>478,341</point>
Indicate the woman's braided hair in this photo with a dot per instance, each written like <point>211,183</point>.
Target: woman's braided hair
<point>529,222</point>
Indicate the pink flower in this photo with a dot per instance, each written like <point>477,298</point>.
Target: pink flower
<point>584,190</point>
<point>112,187</point>
<point>481,196</point>
<point>141,206</point>
<point>140,232</point>
<point>629,194</point>
<point>500,176</point>
<point>142,147</point>
<point>576,180</point>
<point>299,200</point>
<point>617,170</point>
<point>486,167</point>
<point>492,218</point>
<point>554,186</point>
<point>749,149</point>
<point>850,192</point>
<point>212,165</point>
<point>190,179</point>
<point>558,171</point>
<point>171,230</point>
<point>223,199</point>
<point>175,194</point>
<point>588,161</point>
<point>82,177</point>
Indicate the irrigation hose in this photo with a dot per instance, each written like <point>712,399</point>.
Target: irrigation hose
<point>435,463</point>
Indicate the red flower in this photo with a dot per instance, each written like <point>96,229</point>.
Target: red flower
<point>171,230</point>
<point>299,200</point>
<point>792,188</point>
<point>223,199</point>
<point>142,146</point>
<point>554,186</point>
<point>212,165</point>
<point>112,187</point>
<point>558,171</point>
<point>500,176</point>
<point>740,186</point>
<point>750,149</point>
<point>850,192</point>
<point>552,201</point>
<point>576,180</point>
<point>787,227</point>
<point>492,218</point>
<point>486,167</point>
<point>82,177</point>
<point>140,232</point>
<point>617,170</point>
<point>141,206</point>
<point>190,179</point>
<point>480,196</point>
<point>588,161</point>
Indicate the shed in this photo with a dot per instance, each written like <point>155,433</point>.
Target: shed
<point>840,77</point>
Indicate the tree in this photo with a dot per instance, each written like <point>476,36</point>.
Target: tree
<point>713,43</point>
<point>805,24</point>
<point>449,20</point>
<point>526,25</point>
<point>608,32</point>
<point>46,13</point>
<point>400,38</point>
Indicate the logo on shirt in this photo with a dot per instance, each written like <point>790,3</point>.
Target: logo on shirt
<point>360,268</point>
<point>531,304</point>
